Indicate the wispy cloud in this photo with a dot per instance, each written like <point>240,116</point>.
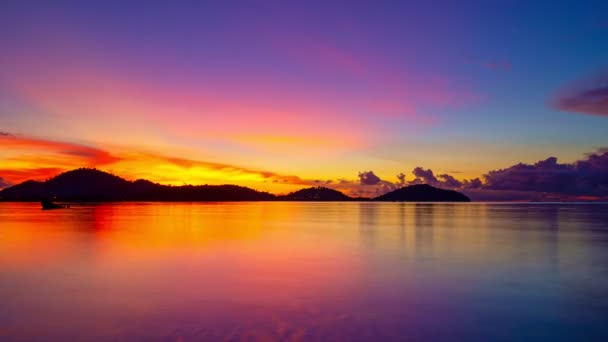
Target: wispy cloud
<point>85,155</point>
<point>498,65</point>
<point>34,158</point>
<point>16,176</point>
<point>588,96</point>
<point>228,171</point>
<point>324,55</point>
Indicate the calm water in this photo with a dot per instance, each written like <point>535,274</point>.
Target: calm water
<point>304,271</point>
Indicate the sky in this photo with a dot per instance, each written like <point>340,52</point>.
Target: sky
<point>361,96</point>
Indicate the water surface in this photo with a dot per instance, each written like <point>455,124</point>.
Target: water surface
<point>304,271</point>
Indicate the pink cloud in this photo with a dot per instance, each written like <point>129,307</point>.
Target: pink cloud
<point>12,176</point>
<point>85,155</point>
<point>392,90</point>
<point>324,55</point>
<point>498,65</point>
<point>82,90</point>
<point>587,96</point>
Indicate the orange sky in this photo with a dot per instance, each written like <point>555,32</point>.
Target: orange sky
<point>183,95</point>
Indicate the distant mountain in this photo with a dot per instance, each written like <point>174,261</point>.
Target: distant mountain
<point>315,194</point>
<point>95,185</point>
<point>423,193</point>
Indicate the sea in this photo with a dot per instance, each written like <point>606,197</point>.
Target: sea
<point>304,271</point>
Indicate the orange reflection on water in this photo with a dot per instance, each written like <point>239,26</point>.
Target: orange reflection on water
<point>281,271</point>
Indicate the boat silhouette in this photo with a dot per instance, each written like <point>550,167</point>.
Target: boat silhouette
<point>48,205</point>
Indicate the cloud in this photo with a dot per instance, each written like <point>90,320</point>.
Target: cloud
<point>584,177</point>
<point>472,183</point>
<point>368,185</point>
<point>401,179</point>
<point>33,158</point>
<point>588,96</point>
<point>12,176</point>
<point>23,158</point>
<point>424,176</point>
<point>498,65</point>
<point>386,186</point>
<point>26,158</point>
<point>547,180</point>
<point>428,177</point>
<point>450,181</point>
<point>542,180</point>
<point>323,55</point>
<point>600,150</point>
<point>368,178</point>
<point>371,185</point>
<point>86,155</point>
<point>230,168</point>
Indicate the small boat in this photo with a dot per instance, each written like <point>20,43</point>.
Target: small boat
<point>48,205</point>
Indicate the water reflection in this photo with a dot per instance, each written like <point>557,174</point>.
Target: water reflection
<point>320,271</point>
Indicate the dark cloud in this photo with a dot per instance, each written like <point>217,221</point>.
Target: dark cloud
<point>401,179</point>
<point>428,177</point>
<point>472,184</point>
<point>584,177</point>
<point>450,181</point>
<point>6,134</point>
<point>368,178</point>
<point>589,96</point>
<point>600,150</point>
<point>424,176</point>
<point>545,176</point>
<point>587,177</point>
<point>545,180</point>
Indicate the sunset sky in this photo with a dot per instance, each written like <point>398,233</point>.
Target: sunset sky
<point>282,95</point>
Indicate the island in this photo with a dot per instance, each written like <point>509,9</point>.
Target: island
<point>92,185</point>
<point>423,193</point>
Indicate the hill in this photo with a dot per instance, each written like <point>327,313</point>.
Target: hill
<point>423,193</point>
<point>94,185</point>
<point>315,194</point>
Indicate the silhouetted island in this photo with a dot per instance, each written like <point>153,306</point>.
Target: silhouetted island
<point>315,194</point>
<point>91,185</point>
<point>423,193</point>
